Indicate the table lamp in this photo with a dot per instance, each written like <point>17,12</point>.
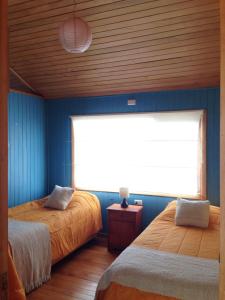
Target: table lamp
<point>124,194</point>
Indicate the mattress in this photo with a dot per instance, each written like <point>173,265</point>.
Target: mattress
<point>68,229</point>
<point>163,235</point>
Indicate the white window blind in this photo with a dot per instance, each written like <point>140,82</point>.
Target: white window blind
<point>150,153</point>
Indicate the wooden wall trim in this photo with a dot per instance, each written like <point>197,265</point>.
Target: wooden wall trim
<point>21,79</point>
<point>72,154</point>
<point>4,78</point>
<point>203,156</point>
<point>222,149</point>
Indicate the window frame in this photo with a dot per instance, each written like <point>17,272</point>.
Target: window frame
<point>202,177</point>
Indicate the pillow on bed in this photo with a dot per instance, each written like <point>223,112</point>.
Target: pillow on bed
<point>192,213</point>
<point>59,198</point>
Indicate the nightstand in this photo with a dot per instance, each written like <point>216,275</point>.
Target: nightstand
<point>124,225</point>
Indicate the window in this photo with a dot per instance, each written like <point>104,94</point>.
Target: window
<point>151,153</point>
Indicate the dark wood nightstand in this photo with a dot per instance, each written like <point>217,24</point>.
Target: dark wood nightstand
<point>124,225</point>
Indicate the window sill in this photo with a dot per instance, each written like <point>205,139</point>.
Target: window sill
<point>194,197</point>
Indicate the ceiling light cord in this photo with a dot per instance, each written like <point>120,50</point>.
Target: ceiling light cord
<point>74,8</point>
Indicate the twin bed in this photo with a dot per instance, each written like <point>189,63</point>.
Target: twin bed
<point>69,229</point>
<point>136,274</point>
<point>168,260</point>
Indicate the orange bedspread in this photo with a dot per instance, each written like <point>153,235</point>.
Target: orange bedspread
<point>69,229</point>
<point>162,234</point>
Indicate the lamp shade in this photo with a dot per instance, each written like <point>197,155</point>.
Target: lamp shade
<point>75,35</point>
<point>124,192</point>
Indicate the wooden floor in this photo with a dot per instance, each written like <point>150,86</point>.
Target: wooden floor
<point>76,277</point>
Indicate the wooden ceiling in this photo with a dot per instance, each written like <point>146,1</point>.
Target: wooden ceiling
<point>17,83</point>
<point>138,45</point>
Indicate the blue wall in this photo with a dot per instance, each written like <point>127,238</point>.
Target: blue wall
<point>59,136</point>
<point>27,148</point>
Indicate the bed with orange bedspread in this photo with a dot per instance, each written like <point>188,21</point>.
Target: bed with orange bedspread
<point>69,229</point>
<point>163,235</point>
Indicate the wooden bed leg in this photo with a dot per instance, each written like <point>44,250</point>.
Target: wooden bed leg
<point>4,86</point>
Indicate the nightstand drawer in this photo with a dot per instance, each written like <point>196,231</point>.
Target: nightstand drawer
<point>122,216</point>
<point>121,234</point>
<point>124,225</point>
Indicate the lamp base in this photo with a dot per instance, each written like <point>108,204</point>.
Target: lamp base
<point>124,203</point>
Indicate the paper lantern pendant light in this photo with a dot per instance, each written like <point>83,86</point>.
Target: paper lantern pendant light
<point>75,35</point>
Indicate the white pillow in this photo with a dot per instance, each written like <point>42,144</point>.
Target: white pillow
<point>192,213</point>
<point>59,198</point>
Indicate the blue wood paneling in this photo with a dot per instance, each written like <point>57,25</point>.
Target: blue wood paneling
<point>27,148</point>
<point>59,136</point>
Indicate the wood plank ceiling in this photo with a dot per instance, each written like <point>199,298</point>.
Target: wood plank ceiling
<point>18,85</point>
<point>138,45</point>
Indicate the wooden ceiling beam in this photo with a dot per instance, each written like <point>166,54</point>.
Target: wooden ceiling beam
<point>23,81</point>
